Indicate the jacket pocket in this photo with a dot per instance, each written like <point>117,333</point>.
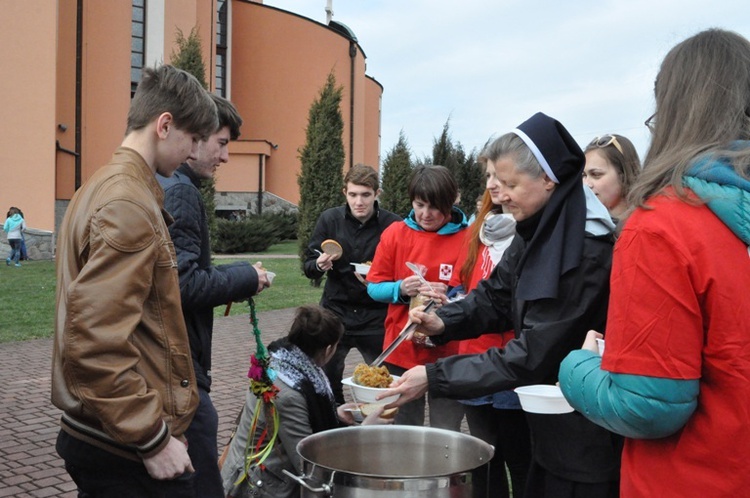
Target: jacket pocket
<point>267,484</point>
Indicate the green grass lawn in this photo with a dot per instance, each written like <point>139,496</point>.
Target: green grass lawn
<point>27,294</point>
<point>290,287</point>
<point>286,247</point>
<point>28,300</point>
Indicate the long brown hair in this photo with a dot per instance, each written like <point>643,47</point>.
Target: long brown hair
<point>702,105</point>
<point>626,162</point>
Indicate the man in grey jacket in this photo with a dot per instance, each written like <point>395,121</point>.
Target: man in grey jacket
<point>204,286</point>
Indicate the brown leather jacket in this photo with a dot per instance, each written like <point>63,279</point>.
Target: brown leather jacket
<point>121,368</point>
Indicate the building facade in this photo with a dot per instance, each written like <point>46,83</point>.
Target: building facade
<point>70,66</point>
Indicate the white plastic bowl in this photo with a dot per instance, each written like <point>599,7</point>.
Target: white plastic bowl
<point>362,394</point>
<point>361,268</point>
<point>542,398</point>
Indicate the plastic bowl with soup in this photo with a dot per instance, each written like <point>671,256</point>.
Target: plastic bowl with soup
<point>364,394</point>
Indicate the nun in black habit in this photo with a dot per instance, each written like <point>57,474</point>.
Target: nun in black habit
<point>551,287</point>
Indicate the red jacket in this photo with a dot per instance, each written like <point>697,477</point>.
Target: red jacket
<point>438,252</point>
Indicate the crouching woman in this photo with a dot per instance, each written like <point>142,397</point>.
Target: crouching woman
<point>304,405</point>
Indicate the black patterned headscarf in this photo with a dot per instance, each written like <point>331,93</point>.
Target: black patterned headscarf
<point>557,244</point>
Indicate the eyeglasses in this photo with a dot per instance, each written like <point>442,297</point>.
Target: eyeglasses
<point>605,141</point>
<point>651,122</point>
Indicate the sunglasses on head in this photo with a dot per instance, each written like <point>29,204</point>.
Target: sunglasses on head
<point>606,140</point>
<point>650,122</point>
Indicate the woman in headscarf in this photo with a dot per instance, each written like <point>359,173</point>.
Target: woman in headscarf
<point>675,378</point>
<point>495,418</point>
<point>551,286</point>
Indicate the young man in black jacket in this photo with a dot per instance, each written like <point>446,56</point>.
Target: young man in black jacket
<point>356,226</point>
<point>204,286</point>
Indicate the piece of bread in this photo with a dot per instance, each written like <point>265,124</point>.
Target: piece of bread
<point>367,409</point>
<point>330,246</point>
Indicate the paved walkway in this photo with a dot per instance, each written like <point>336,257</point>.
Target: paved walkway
<point>29,466</point>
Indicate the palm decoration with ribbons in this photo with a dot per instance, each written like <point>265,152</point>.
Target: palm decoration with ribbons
<point>261,377</point>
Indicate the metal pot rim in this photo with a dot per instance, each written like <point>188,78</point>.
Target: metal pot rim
<point>398,433</point>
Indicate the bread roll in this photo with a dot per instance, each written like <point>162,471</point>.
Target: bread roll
<point>367,409</point>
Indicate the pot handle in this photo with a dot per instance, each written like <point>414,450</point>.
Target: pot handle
<point>326,489</point>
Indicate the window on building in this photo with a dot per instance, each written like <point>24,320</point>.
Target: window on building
<point>222,35</point>
<point>137,43</point>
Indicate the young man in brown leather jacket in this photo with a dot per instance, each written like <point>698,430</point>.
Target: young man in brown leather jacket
<point>121,369</point>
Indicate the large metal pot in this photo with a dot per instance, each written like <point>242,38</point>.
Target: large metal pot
<point>392,461</point>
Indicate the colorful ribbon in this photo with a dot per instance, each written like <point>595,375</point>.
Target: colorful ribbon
<point>261,384</point>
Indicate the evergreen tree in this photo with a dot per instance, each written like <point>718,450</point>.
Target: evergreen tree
<point>322,160</point>
<point>443,151</point>
<point>188,56</point>
<point>397,168</point>
<point>468,174</point>
<point>470,178</point>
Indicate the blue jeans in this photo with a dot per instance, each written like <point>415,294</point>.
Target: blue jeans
<point>203,450</point>
<point>100,474</point>
<point>15,250</point>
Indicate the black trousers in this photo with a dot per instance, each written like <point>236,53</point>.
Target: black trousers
<point>100,474</point>
<point>508,432</point>
<point>201,435</point>
<point>542,484</point>
<point>369,346</point>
